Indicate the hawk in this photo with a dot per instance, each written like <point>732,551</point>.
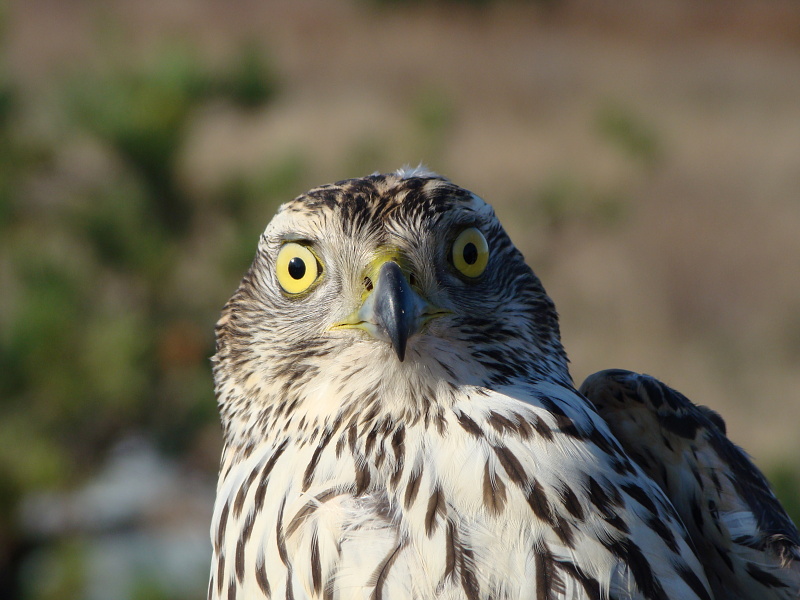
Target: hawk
<point>745,539</point>
<point>399,420</point>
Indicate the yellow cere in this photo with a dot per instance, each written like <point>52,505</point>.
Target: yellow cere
<point>470,252</point>
<point>296,268</point>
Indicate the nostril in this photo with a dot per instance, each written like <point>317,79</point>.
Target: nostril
<point>412,280</point>
<point>368,283</point>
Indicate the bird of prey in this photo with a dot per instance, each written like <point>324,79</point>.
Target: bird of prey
<point>399,420</point>
<point>748,544</point>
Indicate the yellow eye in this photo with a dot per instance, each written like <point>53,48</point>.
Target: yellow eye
<point>470,252</point>
<point>297,268</point>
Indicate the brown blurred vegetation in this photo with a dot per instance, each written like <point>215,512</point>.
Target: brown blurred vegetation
<point>645,157</point>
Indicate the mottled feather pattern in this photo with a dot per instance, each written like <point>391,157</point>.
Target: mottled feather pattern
<point>472,469</point>
<point>743,535</point>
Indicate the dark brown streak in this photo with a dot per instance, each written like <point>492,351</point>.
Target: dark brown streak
<point>289,588</point>
<point>327,593</point>
<point>543,429</point>
<point>340,444</point>
<point>411,489</point>
<point>398,446</point>
<point>383,571</point>
<point>564,531</point>
<point>469,425</point>
<point>239,564</point>
<point>242,493</point>
<point>693,581</point>
<point>220,573</point>
<point>764,577</point>
<point>546,576</point>
<point>609,507</point>
<point>247,530</point>
<point>352,435</point>
<point>261,579</point>
<point>264,480</point>
<point>284,555</point>
<point>369,443</point>
<point>571,502</point>
<point>232,590</point>
<point>223,522</point>
<point>511,464</point>
<point>441,423</point>
<point>590,585</point>
<point>468,580</point>
<point>316,566</point>
<point>449,550</point>
<point>501,424</point>
<point>435,507</point>
<point>494,491</point>
<point>539,504</point>
<point>312,465</point>
<point>301,516</point>
<point>638,494</point>
<point>380,455</point>
<point>363,477</point>
<point>310,507</point>
<point>523,424</point>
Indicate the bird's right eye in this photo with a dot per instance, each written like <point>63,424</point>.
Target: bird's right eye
<point>296,268</point>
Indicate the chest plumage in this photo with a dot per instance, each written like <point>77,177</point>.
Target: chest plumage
<point>400,422</point>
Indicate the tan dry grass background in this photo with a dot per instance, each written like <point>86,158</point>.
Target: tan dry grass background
<point>684,263</point>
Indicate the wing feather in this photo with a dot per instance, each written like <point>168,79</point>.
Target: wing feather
<point>747,542</point>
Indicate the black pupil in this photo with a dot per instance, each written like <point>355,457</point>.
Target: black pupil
<point>470,254</point>
<point>297,268</point>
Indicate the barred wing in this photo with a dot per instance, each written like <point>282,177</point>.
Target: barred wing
<point>745,539</point>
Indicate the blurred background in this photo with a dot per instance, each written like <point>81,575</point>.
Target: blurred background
<point>644,155</point>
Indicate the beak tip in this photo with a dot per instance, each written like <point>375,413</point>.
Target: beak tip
<point>399,342</point>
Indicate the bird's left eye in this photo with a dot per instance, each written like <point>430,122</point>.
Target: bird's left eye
<point>470,252</point>
<point>296,268</point>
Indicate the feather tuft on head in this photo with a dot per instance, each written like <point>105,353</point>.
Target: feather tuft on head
<point>407,172</point>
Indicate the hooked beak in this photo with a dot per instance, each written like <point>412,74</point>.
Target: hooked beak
<point>392,311</point>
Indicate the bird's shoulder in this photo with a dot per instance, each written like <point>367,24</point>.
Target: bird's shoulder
<point>746,539</point>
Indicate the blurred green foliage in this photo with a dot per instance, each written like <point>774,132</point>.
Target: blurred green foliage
<point>631,133</point>
<point>143,115</point>
<point>65,577</point>
<point>564,199</point>
<point>434,114</point>
<point>101,331</point>
<point>786,485</point>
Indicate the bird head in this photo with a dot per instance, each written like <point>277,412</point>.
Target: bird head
<point>404,281</point>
